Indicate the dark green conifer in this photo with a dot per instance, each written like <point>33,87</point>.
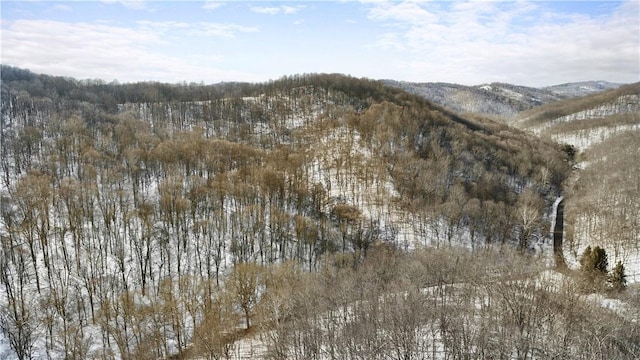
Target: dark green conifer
<point>593,265</point>
<point>594,260</point>
<point>618,279</point>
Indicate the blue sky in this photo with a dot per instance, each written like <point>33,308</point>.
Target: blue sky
<point>533,43</point>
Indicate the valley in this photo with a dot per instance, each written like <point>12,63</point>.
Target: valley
<point>314,216</point>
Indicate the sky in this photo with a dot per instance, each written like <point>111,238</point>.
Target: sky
<point>532,43</point>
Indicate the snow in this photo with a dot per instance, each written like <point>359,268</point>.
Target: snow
<point>5,350</point>
<point>249,348</point>
<point>618,306</point>
<point>585,228</point>
<point>552,280</point>
<point>428,336</point>
<point>616,251</point>
<point>586,138</point>
<point>364,184</point>
<point>621,105</point>
<point>554,213</point>
<point>512,94</point>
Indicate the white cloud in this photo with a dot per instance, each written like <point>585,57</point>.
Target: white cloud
<point>408,12</point>
<point>212,5</point>
<point>291,9</point>
<point>275,10</point>
<point>62,7</point>
<point>173,29</point>
<point>130,4</point>
<point>227,31</point>
<point>389,41</point>
<point>265,10</point>
<point>466,42</point>
<point>473,42</point>
<point>84,50</point>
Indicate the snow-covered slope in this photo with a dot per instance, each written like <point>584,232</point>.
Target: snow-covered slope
<point>126,225</point>
<point>577,89</point>
<point>500,100</point>
<point>602,206</point>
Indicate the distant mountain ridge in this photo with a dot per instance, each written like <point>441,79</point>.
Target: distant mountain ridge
<point>578,89</point>
<point>499,100</point>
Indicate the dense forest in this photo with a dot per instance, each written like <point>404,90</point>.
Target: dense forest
<point>328,216</point>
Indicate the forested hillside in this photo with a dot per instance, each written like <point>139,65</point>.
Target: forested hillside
<point>501,101</point>
<point>315,215</point>
<point>603,205</point>
<point>497,100</point>
<point>588,120</point>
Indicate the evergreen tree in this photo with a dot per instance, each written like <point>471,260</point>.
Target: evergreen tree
<point>594,260</point>
<point>618,278</point>
<point>600,260</point>
<point>593,265</point>
<point>586,261</point>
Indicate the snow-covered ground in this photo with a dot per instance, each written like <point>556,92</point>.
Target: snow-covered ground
<point>586,138</point>
<point>588,230</point>
<point>364,183</point>
<point>429,336</point>
<point>622,105</point>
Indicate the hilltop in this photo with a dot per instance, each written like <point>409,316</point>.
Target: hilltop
<point>582,88</point>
